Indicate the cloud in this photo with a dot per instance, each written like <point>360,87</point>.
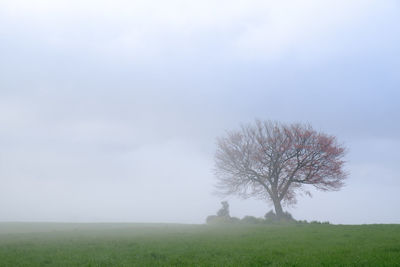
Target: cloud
<point>144,30</point>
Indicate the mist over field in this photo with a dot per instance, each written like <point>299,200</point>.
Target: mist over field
<point>110,110</point>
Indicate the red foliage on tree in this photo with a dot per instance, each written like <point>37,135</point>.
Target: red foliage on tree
<point>274,161</point>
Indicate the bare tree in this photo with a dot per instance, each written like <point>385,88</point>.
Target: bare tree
<point>274,161</point>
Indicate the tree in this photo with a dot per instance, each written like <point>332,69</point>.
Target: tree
<point>274,161</point>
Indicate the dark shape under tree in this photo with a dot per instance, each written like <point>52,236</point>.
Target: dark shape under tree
<point>222,215</point>
<point>274,161</point>
<point>224,211</point>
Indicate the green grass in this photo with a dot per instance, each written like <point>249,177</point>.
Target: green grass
<point>48,244</point>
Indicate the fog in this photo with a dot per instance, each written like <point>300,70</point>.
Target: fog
<point>109,110</point>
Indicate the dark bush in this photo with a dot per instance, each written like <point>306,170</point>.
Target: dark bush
<point>234,220</point>
<point>270,216</point>
<point>318,222</point>
<point>288,217</point>
<point>222,216</point>
<point>251,220</point>
<point>224,211</point>
<point>302,222</point>
<point>213,219</point>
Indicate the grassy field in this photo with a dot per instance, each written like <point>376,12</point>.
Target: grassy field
<point>49,244</point>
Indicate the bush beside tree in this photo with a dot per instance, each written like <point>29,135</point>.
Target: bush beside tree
<point>270,217</point>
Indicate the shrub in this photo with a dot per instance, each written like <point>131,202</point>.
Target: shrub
<point>302,222</point>
<point>211,219</point>
<point>251,220</point>
<point>270,216</point>
<point>318,222</point>
<point>234,220</point>
<point>214,219</point>
<point>288,217</point>
<point>224,211</point>
<point>222,215</point>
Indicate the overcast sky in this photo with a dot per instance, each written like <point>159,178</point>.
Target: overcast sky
<point>109,110</point>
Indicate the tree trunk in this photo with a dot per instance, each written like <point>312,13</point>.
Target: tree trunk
<point>278,208</point>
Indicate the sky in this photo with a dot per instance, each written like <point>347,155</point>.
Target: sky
<point>110,110</point>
